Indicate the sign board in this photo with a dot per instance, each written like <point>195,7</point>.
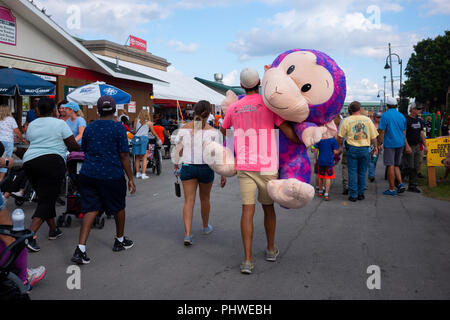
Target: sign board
<point>138,43</point>
<point>8,27</point>
<point>437,151</point>
<point>132,107</point>
<point>46,77</point>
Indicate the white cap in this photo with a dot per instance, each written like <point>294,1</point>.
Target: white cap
<point>249,78</point>
<point>391,101</point>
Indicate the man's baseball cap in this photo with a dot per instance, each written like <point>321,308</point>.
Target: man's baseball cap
<point>391,101</point>
<point>377,114</point>
<point>71,105</point>
<point>106,103</point>
<point>249,78</point>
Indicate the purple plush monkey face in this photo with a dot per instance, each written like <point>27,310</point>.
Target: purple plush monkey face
<point>304,85</point>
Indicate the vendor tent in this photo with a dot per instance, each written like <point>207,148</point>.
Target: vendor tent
<point>180,87</point>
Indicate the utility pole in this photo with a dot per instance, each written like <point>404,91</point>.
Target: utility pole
<point>390,64</point>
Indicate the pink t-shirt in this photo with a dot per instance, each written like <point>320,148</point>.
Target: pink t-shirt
<point>255,137</point>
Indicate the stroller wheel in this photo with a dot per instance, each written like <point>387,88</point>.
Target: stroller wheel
<point>19,202</point>
<point>101,225</point>
<point>60,221</point>
<point>68,221</point>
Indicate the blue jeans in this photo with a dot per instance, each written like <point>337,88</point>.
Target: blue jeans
<point>9,147</point>
<point>372,166</point>
<point>357,162</point>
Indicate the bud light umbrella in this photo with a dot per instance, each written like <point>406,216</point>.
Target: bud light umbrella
<point>88,95</point>
<point>26,83</point>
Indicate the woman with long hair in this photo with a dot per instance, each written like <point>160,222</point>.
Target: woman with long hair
<point>8,128</point>
<point>142,126</point>
<point>75,120</point>
<point>194,171</point>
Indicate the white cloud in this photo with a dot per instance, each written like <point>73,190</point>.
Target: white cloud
<point>184,48</point>
<point>113,17</point>
<point>363,90</point>
<point>367,90</point>
<point>330,27</point>
<point>230,78</point>
<point>436,7</point>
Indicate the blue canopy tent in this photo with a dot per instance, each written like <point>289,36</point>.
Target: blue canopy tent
<point>27,84</point>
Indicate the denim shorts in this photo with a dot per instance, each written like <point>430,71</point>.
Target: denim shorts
<point>140,149</point>
<point>200,172</point>
<point>9,147</point>
<point>2,203</point>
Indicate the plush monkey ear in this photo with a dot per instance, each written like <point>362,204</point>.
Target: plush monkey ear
<point>267,67</point>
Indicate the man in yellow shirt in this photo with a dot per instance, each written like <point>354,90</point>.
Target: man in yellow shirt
<point>359,132</point>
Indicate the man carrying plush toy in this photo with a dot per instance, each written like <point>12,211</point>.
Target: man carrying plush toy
<point>256,151</point>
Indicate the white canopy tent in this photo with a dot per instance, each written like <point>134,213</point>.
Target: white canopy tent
<point>180,87</point>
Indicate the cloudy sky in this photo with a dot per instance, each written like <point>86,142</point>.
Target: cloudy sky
<point>203,37</point>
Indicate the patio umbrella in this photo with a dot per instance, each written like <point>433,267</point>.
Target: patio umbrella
<point>88,95</point>
<point>26,83</point>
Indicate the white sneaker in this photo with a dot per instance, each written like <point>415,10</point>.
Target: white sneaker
<point>18,193</point>
<point>144,176</point>
<point>138,175</point>
<point>36,275</point>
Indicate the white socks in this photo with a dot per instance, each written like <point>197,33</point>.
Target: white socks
<point>82,248</point>
<point>120,239</point>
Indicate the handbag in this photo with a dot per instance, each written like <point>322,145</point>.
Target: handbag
<point>136,141</point>
<point>177,188</point>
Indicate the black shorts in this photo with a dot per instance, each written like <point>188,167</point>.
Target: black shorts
<point>102,195</point>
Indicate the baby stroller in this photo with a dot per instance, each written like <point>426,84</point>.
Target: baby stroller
<point>16,180</point>
<point>154,156</point>
<point>73,203</point>
<point>11,287</point>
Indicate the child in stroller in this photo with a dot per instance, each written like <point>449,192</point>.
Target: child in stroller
<point>73,203</point>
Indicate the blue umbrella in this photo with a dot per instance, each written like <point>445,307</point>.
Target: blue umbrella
<point>28,84</point>
<point>90,93</point>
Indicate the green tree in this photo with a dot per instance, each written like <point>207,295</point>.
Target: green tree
<point>428,71</point>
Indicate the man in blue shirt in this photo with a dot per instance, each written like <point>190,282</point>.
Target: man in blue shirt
<point>102,181</point>
<point>31,114</point>
<point>392,136</point>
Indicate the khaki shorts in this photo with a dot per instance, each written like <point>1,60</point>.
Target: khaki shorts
<point>250,181</point>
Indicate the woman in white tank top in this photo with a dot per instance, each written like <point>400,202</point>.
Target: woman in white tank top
<point>143,126</point>
<point>195,172</point>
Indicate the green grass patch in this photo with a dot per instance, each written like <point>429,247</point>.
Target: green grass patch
<point>442,191</point>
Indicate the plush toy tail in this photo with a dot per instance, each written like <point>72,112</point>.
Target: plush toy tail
<point>219,158</point>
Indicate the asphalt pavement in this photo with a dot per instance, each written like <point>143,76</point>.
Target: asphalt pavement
<point>325,249</point>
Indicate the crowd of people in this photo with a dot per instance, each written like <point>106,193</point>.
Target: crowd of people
<point>106,174</point>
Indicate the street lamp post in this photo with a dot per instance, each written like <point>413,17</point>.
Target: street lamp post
<point>389,66</point>
<point>384,101</point>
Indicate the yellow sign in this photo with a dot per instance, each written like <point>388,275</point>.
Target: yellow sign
<point>437,151</point>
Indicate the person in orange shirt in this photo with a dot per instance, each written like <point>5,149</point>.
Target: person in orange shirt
<point>162,134</point>
<point>218,117</point>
